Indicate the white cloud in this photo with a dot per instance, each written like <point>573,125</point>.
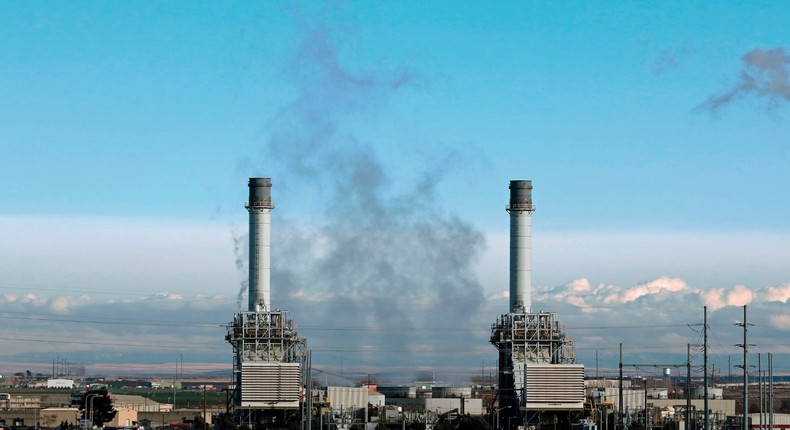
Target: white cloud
<point>576,301</point>
<point>717,298</point>
<point>611,298</point>
<point>633,303</point>
<point>714,298</point>
<point>175,288</point>
<point>581,293</point>
<point>60,304</point>
<point>580,285</point>
<point>740,296</point>
<point>778,294</point>
<point>167,296</point>
<point>662,285</point>
<point>702,259</point>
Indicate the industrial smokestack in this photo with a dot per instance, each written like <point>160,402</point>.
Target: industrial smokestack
<point>260,208</point>
<point>520,210</point>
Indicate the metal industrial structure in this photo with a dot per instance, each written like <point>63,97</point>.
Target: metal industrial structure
<point>538,377</point>
<point>270,365</point>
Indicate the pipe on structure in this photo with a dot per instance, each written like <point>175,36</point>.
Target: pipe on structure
<point>260,208</point>
<point>520,210</point>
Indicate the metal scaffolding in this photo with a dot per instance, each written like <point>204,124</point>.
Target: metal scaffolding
<point>265,337</point>
<point>533,347</point>
<point>533,338</point>
<point>268,367</point>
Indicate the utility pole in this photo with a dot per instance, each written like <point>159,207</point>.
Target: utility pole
<point>705,359</point>
<point>760,388</point>
<point>688,386</point>
<point>745,347</point>
<point>770,391</point>
<point>620,399</point>
<point>647,421</point>
<point>309,380</point>
<point>205,422</point>
<point>175,380</point>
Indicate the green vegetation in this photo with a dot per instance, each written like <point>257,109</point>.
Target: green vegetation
<point>184,398</point>
<point>99,406</point>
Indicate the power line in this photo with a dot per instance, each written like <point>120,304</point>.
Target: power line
<point>163,323</point>
<point>147,344</point>
<point>111,292</point>
<point>110,322</point>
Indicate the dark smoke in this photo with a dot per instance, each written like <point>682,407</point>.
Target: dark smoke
<point>238,247</point>
<point>764,75</point>
<point>375,257</point>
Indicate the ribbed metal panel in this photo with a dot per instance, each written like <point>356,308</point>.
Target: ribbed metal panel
<point>554,386</point>
<point>270,385</point>
<point>347,397</point>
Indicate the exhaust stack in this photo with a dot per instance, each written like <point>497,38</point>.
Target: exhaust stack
<point>520,210</point>
<point>260,208</point>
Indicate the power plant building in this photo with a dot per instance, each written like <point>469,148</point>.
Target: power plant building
<point>270,359</point>
<point>537,370</point>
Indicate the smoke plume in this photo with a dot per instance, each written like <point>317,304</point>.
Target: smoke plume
<point>380,268</point>
<point>764,75</point>
<point>238,253</point>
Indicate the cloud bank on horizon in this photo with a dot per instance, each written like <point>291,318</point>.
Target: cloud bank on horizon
<point>602,297</point>
<point>368,328</point>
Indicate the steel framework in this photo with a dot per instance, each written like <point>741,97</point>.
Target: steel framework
<point>532,339</point>
<point>265,337</point>
<point>268,366</point>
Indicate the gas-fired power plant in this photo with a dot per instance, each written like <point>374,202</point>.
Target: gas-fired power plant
<point>270,365</point>
<point>538,377</point>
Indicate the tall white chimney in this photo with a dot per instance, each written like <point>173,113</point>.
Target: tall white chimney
<point>520,210</point>
<point>260,208</point>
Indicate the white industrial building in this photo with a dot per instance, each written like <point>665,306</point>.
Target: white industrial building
<point>347,398</point>
<point>60,383</point>
<point>441,406</point>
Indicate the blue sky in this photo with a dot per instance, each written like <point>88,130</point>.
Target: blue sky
<point>656,136</point>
